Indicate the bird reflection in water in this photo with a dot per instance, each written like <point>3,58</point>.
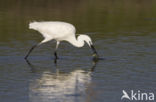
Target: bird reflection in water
<point>61,87</point>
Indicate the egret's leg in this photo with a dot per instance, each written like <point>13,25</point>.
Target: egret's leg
<point>45,40</point>
<point>55,53</point>
<point>30,50</point>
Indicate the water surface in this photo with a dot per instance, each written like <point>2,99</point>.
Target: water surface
<point>123,33</point>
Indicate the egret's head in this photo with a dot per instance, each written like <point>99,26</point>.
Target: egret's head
<point>88,40</point>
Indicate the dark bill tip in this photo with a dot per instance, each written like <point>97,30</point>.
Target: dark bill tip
<point>95,55</point>
<point>93,49</point>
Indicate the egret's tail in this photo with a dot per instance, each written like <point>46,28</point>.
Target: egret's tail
<point>33,25</point>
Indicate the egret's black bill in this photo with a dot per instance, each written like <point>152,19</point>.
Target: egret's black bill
<point>93,49</point>
<point>95,55</point>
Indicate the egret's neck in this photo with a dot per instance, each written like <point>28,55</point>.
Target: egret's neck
<point>76,42</point>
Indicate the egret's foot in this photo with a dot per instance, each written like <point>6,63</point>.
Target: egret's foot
<point>25,57</point>
<point>55,61</point>
<point>56,58</point>
<point>55,54</point>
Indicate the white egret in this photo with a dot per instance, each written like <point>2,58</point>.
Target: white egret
<point>60,31</point>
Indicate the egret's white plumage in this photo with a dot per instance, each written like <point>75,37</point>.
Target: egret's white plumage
<point>60,31</point>
<point>54,30</point>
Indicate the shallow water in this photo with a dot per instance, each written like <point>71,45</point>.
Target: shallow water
<point>123,33</point>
